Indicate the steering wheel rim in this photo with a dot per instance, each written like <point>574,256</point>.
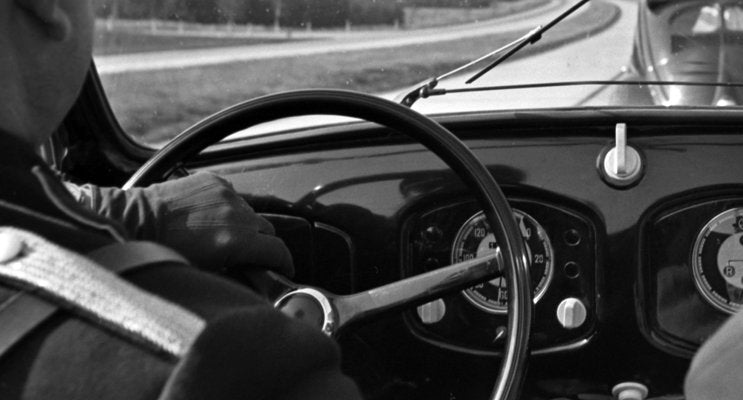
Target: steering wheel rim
<point>415,125</point>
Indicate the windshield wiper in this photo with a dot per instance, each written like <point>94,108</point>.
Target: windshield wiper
<point>531,38</point>
<point>425,88</point>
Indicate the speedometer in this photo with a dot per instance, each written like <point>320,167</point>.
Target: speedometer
<point>717,261</point>
<point>475,239</point>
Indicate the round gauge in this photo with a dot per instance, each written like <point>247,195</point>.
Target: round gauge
<point>717,261</point>
<point>475,239</point>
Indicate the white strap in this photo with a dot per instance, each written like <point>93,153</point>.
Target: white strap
<point>88,289</point>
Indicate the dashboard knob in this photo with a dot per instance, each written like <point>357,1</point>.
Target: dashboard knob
<point>433,312</point>
<point>630,391</point>
<point>571,313</point>
<point>432,234</point>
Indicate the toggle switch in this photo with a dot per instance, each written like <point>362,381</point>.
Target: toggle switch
<point>621,165</point>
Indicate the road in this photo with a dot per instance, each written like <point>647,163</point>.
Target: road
<point>333,43</point>
<point>600,57</point>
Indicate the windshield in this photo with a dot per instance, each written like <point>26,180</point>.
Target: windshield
<point>167,64</point>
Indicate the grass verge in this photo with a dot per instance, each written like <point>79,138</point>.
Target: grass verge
<point>426,17</point>
<point>118,42</point>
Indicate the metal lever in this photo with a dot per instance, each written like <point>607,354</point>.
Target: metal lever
<point>621,165</point>
<point>331,313</point>
<point>620,156</point>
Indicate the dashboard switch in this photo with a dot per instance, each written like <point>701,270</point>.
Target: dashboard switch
<point>621,166</point>
<point>630,391</point>
<point>433,312</point>
<point>571,313</point>
<point>432,235</point>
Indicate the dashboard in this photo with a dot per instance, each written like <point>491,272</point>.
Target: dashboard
<point>561,247</point>
<point>628,282</point>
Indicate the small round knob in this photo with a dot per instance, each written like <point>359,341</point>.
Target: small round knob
<point>623,167</point>
<point>630,391</point>
<point>432,234</point>
<point>433,312</point>
<point>571,313</point>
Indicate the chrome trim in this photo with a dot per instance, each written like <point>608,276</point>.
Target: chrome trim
<point>573,346</point>
<point>559,349</point>
<point>329,320</point>
<point>351,248</point>
<point>696,262</point>
<point>549,269</point>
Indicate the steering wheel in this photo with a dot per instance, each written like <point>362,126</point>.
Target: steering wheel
<point>331,313</point>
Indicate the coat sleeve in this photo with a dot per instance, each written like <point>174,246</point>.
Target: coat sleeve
<point>288,360</point>
<point>249,350</point>
<point>201,216</point>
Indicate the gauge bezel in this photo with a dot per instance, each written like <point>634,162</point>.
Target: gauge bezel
<point>549,265</point>
<point>699,280</point>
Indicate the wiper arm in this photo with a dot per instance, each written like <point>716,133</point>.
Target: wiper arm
<point>532,37</point>
<point>424,89</point>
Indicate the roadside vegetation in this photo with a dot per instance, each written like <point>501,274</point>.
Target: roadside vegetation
<point>289,13</point>
<point>122,42</point>
<point>155,106</point>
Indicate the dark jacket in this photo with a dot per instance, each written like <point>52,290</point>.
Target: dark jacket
<point>248,350</point>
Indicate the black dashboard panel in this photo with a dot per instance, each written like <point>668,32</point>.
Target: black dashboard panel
<point>676,314</point>
<point>427,245</point>
<point>374,191</point>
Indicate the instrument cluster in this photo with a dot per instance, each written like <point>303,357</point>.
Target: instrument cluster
<point>692,271</point>
<point>561,248</point>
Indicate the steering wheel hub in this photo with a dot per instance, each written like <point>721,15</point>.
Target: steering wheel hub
<point>311,306</point>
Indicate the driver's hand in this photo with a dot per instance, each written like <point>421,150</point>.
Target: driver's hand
<point>201,216</point>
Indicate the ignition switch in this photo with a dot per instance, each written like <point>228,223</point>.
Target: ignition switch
<point>620,166</point>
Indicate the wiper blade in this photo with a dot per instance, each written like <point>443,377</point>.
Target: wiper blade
<point>532,37</point>
<point>426,88</point>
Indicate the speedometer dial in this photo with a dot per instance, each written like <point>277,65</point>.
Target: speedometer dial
<point>717,261</point>
<point>475,239</point>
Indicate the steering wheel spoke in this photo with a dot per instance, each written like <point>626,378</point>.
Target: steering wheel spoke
<point>332,314</point>
<point>417,289</point>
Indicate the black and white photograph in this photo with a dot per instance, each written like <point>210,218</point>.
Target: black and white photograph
<point>371,199</point>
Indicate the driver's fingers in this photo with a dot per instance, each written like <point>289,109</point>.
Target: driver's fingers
<point>261,251</point>
<point>253,219</point>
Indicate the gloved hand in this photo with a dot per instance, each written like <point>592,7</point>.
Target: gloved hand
<point>201,216</point>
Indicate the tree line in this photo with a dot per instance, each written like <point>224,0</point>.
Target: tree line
<point>286,13</point>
